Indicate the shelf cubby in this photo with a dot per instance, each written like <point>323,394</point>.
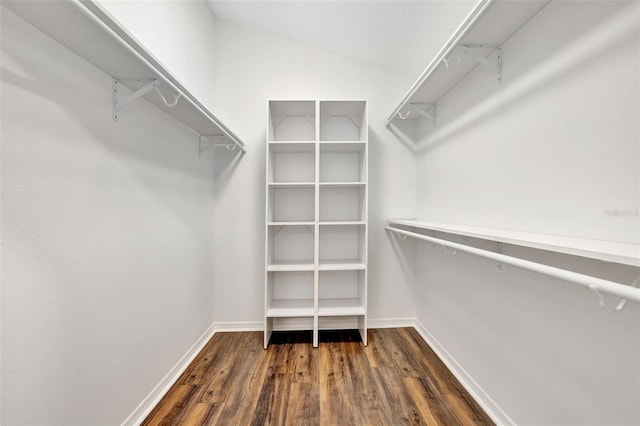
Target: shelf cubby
<point>290,246</point>
<point>291,162</point>
<point>343,121</point>
<point>291,204</point>
<point>292,120</point>
<point>290,294</point>
<point>342,162</point>
<point>342,203</point>
<point>341,244</point>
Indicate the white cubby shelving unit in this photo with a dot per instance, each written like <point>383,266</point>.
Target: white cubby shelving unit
<point>87,29</point>
<point>316,216</point>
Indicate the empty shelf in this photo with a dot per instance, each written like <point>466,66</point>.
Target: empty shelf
<point>290,308</point>
<point>342,265</point>
<point>285,266</point>
<point>628,254</point>
<point>340,307</point>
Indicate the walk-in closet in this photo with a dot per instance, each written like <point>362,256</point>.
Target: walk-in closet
<point>320,212</point>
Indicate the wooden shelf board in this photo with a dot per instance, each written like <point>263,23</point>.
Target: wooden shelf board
<point>340,307</point>
<point>292,146</point>
<point>291,266</point>
<point>291,308</point>
<point>292,223</point>
<point>292,185</point>
<point>609,251</point>
<point>342,185</point>
<point>342,265</point>
<point>342,222</point>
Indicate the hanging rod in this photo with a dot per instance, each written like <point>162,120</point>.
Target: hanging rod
<point>597,285</point>
<point>100,18</point>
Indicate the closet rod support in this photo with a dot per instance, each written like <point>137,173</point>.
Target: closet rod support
<point>153,84</point>
<point>470,49</point>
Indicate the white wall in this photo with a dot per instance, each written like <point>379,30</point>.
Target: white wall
<point>106,239</point>
<point>554,149</point>
<point>253,67</point>
<point>241,70</point>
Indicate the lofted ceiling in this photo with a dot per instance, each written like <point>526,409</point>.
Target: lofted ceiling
<point>396,34</point>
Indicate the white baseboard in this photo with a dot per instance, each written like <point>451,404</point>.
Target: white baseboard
<point>230,326</point>
<point>390,322</point>
<point>487,403</point>
<point>150,401</point>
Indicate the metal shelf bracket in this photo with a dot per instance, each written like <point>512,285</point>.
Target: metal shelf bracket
<point>428,111</point>
<point>208,141</point>
<point>494,65</point>
<point>152,84</point>
<point>620,304</point>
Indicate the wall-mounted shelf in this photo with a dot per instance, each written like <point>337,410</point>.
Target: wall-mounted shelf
<point>608,251</point>
<point>85,28</point>
<point>476,42</point>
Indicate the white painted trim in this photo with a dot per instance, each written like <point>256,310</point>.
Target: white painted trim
<point>390,322</point>
<point>153,398</point>
<point>230,326</point>
<point>487,403</point>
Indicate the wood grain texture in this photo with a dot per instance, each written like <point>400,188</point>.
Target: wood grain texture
<point>396,380</point>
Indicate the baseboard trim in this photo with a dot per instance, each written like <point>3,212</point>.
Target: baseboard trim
<point>153,398</point>
<point>231,326</point>
<point>487,403</point>
<point>390,322</point>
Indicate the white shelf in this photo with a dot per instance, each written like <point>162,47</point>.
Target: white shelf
<point>292,223</point>
<point>342,265</point>
<point>342,222</point>
<point>340,307</point>
<point>342,184</point>
<point>292,185</point>
<point>492,22</point>
<point>292,146</point>
<point>321,186</point>
<point>609,251</point>
<point>88,30</point>
<point>342,146</point>
<point>290,266</point>
<point>291,308</point>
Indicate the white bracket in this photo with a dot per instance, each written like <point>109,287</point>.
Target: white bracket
<point>207,141</point>
<point>469,49</point>
<point>152,84</point>
<point>428,111</point>
<point>348,117</point>
<point>620,304</point>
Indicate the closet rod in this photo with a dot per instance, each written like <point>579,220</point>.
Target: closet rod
<point>102,19</point>
<point>595,284</point>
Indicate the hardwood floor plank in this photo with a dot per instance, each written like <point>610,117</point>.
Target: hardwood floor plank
<point>396,380</point>
<point>271,408</point>
<point>176,399</point>
<point>304,404</point>
<point>405,359</point>
<point>467,410</point>
<point>226,372</point>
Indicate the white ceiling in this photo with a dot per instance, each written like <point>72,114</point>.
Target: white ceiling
<point>397,34</point>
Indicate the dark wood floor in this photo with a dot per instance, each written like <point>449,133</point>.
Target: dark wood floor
<point>397,379</point>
